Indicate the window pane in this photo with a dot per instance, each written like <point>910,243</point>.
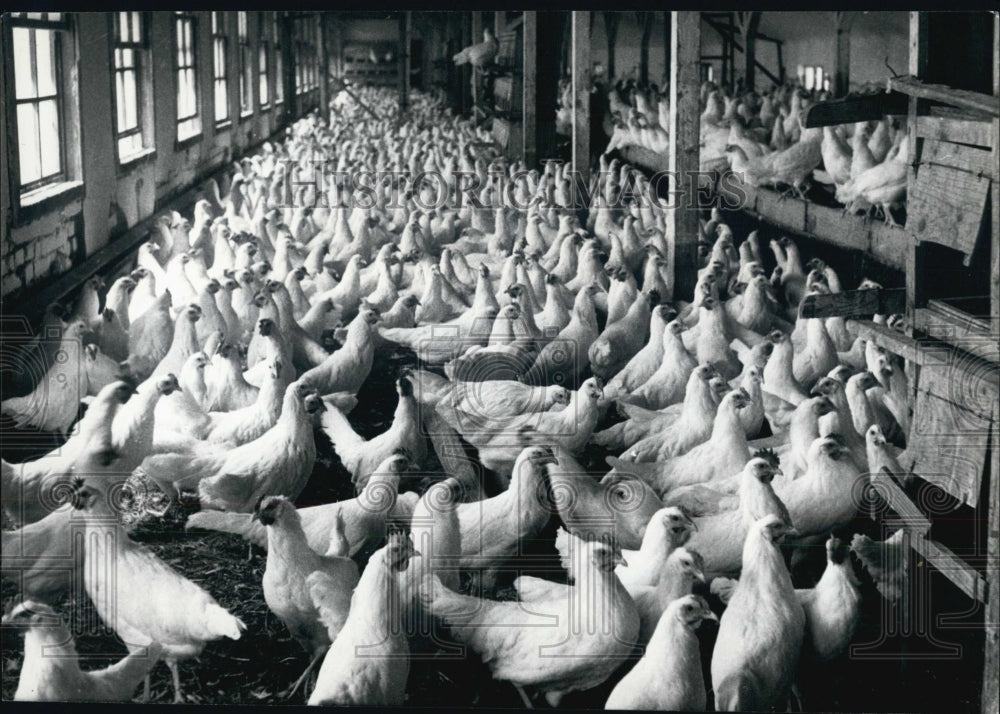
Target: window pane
<point>129,145</point>
<point>22,64</point>
<point>136,26</point>
<point>120,100</point>
<point>27,143</point>
<point>128,58</point>
<point>48,128</point>
<point>122,27</point>
<point>131,120</point>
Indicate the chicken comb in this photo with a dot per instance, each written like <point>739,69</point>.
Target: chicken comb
<point>769,455</point>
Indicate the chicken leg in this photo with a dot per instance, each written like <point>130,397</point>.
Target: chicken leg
<point>316,658</point>
<point>176,676</point>
<point>524,697</point>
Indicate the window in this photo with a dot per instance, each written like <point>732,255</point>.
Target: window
<point>265,20</point>
<point>246,65</point>
<point>38,97</point>
<point>279,62</point>
<point>129,55</point>
<point>221,84</point>
<point>188,115</point>
<point>813,78</point>
<point>306,55</point>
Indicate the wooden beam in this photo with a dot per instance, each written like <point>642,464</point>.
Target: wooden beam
<point>646,20</point>
<point>842,54</point>
<point>580,52</point>
<point>975,101</point>
<point>854,303</point>
<point>530,88</point>
<point>477,36</point>
<point>749,22</point>
<point>666,44</point>
<point>991,645</point>
<point>914,254</point>
<point>685,110</point>
<point>910,517</point>
<point>611,29</point>
<point>847,110</point>
<point>405,43</point>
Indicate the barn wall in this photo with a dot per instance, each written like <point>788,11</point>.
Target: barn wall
<point>809,39</point>
<point>114,197</point>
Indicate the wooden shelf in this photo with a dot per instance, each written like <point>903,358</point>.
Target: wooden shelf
<point>984,103</point>
<point>866,107</point>
<point>887,244</point>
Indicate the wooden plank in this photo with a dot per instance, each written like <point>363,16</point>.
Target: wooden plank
<point>684,160</point>
<point>530,88</point>
<point>896,342</point>
<point>947,442</point>
<point>965,99</point>
<point>979,337</point>
<point>914,256</point>
<point>954,568</point>
<point>991,644</point>
<point>643,158</point>
<point>962,131</point>
<point>832,225</point>
<point>910,517</point>
<point>946,206</point>
<point>854,303</point>
<point>973,160</point>
<point>866,107</point>
<point>580,51</point>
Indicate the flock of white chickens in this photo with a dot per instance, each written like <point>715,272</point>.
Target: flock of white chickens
<point>732,425</point>
<point>763,138</point>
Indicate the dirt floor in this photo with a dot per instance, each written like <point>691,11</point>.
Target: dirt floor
<point>262,665</point>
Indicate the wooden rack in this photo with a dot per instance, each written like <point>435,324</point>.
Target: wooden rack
<point>359,68</point>
<point>951,350</point>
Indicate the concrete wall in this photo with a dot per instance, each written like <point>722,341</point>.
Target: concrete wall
<point>117,197</point>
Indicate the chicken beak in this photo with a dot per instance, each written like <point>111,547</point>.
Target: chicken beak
<point>709,615</point>
<point>620,560</point>
<point>699,576</point>
<point>255,516</point>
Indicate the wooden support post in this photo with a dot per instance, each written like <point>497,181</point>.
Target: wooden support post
<point>749,22</point>
<point>683,160</point>
<point>580,52</point>
<point>914,255</point>
<point>477,36</point>
<point>646,23</point>
<point>324,63</point>
<point>530,88</point>
<point>666,44</point>
<point>991,688</point>
<point>611,28</point>
<point>405,41</point>
<point>842,56</point>
<point>337,38</point>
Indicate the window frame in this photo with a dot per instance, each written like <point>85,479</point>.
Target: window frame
<point>279,60</point>
<point>244,65</point>
<point>180,142</point>
<point>28,206</point>
<point>144,89</point>
<point>57,28</point>
<point>220,38</point>
<point>264,20</point>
